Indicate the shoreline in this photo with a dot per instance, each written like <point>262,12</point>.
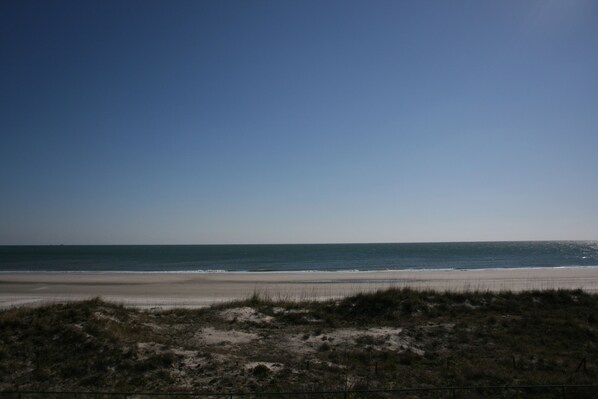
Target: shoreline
<point>218,271</point>
<point>191,290</point>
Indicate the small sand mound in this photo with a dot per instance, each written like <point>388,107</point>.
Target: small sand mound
<point>244,315</point>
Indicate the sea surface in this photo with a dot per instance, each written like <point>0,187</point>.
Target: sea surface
<point>298,257</point>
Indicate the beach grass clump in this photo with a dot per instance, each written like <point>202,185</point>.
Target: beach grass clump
<point>383,339</point>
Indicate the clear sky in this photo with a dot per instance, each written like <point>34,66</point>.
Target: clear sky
<point>197,122</point>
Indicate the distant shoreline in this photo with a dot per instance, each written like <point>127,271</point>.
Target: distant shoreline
<point>355,271</point>
<point>167,290</point>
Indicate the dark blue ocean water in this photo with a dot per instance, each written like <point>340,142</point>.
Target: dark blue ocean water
<point>307,257</point>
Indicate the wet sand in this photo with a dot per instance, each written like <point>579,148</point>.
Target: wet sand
<point>166,290</point>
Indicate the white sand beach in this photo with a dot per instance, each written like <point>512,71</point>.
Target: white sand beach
<point>166,290</point>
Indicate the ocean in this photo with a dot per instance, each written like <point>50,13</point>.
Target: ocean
<point>298,257</point>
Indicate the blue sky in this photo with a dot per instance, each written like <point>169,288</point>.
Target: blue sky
<point>161,122</point>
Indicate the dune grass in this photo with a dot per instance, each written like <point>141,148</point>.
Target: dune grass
<point>433,339</point>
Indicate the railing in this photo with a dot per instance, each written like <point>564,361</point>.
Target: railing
<point>460,392</point>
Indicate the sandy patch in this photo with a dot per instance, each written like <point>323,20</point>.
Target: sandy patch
<point>145,347</point>
<point>102,316</point>
<point>154,326</point>
<point>377,338</point>
<point>289,311</point>
<point>191,290</point>
<point>212,336</point>
<point>244,315</point>
<point>190,358</point>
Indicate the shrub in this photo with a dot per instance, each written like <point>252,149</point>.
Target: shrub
<point>261,371</point>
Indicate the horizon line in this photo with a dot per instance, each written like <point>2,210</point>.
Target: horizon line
<point>299,243</point>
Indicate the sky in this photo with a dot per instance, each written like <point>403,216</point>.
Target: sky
<point>217,122</point>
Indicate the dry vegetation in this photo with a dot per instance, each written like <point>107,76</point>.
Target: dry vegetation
<point>380,340</point>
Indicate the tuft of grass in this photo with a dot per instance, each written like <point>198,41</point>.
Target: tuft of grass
<point>261,371</point>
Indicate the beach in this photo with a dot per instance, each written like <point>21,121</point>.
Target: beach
<point>189,290</point>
